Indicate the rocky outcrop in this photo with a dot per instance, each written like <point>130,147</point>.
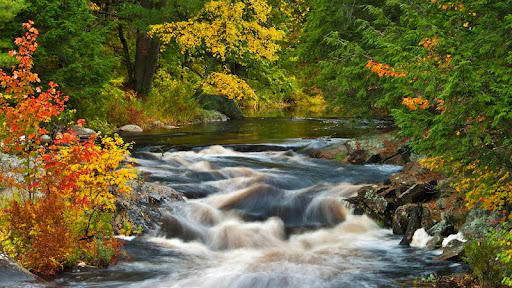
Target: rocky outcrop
<point>140,212</point>
<point>375,149</point>
<point>414,198</point>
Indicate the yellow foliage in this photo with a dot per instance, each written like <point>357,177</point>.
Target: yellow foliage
<point>229,85</point>
<point>484,185</point>
<point>226,28</point>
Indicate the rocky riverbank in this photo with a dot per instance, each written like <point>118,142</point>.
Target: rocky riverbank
<point>415,203</point>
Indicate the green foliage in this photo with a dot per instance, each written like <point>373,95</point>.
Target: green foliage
<point>171,101</point>
<point>489,258</point>
<point>72,47</point>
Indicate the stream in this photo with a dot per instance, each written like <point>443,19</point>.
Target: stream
<point>260,213</point>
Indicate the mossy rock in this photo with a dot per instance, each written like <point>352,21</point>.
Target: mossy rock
<point>222,104</point>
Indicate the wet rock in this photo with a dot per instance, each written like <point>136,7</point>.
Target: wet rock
<point>435,242</point>
<point>413,225</point>
<point>416,193</point>
<point>442,228</point>
<point>141,211</point>
<point>130,128</point>
<point>357,157</point>
<point>370,197</point>
<point>455,249</point>
<point>439,231</point>
<point>338,151</point>
<point>402,217</point>
<point>153,193</point>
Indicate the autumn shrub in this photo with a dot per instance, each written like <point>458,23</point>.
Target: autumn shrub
<point>59,197</point>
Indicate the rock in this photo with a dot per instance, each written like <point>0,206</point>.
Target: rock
<point>12,275</point>
<point>130,128</point>
<point>151,193</point>
<point>453,250</point>
<point>478,223</point>
<point>439,231</point>
<point>416,193</point>
<point>336,151</point>
<point>435,242</point>
<point>375,202</point>
<point>45,139</point>
<point>159,124</point>
<point>413,225</point>
<point>402,217</point>
<point>221,104</point>
<point>83,132</point>
<point>142,210</point>
<point>442,228</point>
<point>357,157</point>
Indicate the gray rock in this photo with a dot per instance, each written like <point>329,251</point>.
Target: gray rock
<point>83,132</point>
<point>435,242</point>
<point>478,223</point>
<point>413,225</point>
<point>442,229</point>
<point>130,128</point>
<point>45,139</point>
<point>414,194</point>
<point>375,202</point>
<point>454,249</point>
<point>402,217</point>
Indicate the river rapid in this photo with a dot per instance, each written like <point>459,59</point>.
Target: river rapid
<point>260,213</point>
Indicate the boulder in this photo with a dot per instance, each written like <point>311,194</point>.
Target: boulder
<point>130,128</point>
<point>455,249</point>
<point>402,217</point>
<point>222,104</point>
<point>416,193</point>
<point>413,225</point>
<point>83,132</point>
<point>478,222</point>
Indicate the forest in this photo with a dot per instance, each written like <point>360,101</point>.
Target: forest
<point>440,69</point>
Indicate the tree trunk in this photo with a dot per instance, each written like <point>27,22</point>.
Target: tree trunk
<point>146,58</point>
<point>128,63</point>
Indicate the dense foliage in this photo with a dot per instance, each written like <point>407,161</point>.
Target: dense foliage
<point>439,68</point>
<point>58,195</point>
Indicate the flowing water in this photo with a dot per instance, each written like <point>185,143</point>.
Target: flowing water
<point>261,214</point>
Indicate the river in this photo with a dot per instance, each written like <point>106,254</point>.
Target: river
<point>261,214</point>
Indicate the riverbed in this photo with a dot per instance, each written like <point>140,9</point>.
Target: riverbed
<point>261,213</point>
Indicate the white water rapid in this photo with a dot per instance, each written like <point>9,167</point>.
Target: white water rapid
<point>262,220</point>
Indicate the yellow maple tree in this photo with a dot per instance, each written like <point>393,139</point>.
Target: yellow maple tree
<point>224,30</point>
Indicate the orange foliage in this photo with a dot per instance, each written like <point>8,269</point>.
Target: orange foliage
<point>384,70</point>
<point>61,194</point>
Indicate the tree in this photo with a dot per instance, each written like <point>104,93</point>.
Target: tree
<point>135,17</point>
<point>225,32</point>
